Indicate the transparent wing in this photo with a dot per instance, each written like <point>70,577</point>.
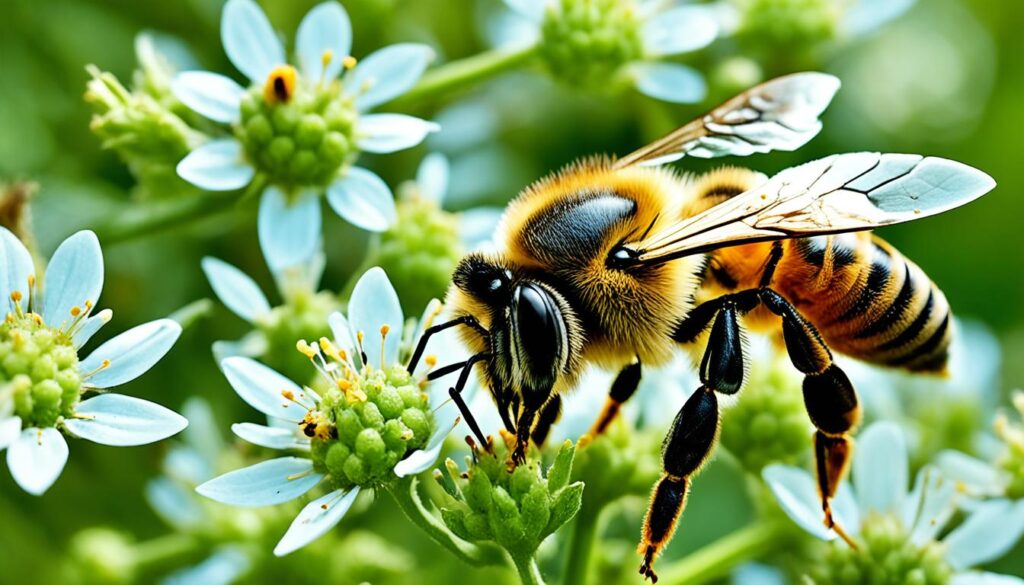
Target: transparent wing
<point>781,114</point>
<point>839,193</point>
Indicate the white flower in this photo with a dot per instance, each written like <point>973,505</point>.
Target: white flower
<point>289,207</point>
<point>663,30</point>
<point>881,477</point>
<point>364,351</point>
<point>42,377</point>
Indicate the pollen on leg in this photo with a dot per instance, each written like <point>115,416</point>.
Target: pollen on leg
<point>280,85</point>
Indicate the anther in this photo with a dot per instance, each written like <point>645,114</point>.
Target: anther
<point>430,360</point>
<point>280,85</point>
<point>348,62</point>
<point>76,311</point>
<point>306,349</point>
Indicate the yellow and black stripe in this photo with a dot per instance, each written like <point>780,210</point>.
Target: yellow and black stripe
<point>868,300</point>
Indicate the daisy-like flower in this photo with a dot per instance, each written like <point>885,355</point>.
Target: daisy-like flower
<point>42,380</point>
<point>371,422</point>
<point>899,534</point>
<point>302,313</point>
<point>598,44</point>
<point>301,130</point>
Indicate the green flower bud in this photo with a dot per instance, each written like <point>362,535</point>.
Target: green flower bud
<point>770,424</point>
<point>789,22</point>
<point>516,510</point>
<point>585,42</point>
<point>621,462</point>
<point>302,316</point>
<point>102,555</point>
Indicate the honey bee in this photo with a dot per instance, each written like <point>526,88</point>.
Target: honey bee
<point>623,262</point>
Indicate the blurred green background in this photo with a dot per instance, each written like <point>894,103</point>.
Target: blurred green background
<point>946,79</point>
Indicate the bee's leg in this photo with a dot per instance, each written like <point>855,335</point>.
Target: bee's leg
<point>523,426</point>
<point>455,392</point>
<point>547,417</point>
<point>623,387</point>
<point>421,345</point>
<point>693,433</point>
<point>829,396</point>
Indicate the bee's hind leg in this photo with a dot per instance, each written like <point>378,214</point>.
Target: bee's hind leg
<point>830,399</point>
<point>623,388</point>
<point>548,416</point>
<point>695,428</point>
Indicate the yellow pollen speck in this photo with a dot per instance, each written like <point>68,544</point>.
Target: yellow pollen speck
<point>76,311</point>
<point>326,57</point>
<point>349,62</point>
<point>288,394</point>
<point>344,384</point>
<point>360,336</point>
<point>431,360</point>
<point>280,85</point>
<point>106,364</point>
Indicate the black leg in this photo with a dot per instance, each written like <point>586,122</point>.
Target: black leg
<point>523,426</point>
<point>829,396</point>
<point>455,393</point>
<point>623,388</point>
<point>547,417</point>
<point>693,433</point>
<point>421,345</point>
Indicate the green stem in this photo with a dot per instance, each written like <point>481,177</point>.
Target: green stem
<point>144,219</point>
<point>163,552</point>
<point>529,572</point>
<point>408,500</point>
<point>461,73</point>
<point>581,544</point>
<point>718,558</point>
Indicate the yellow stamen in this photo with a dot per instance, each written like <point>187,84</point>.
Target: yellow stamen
<point>16,296</point>
<point>76,311</point>
<point>305,349</point>
<point>280,85</point>
<point>348,62</point>
<point>431,360</point>
<point>288,394</point>
<point>344,385</point>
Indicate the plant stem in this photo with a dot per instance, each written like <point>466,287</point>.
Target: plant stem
<point>461,73</point>
<point>164,551</point>
<point>408,500</point>
<point>143,219</point>
<point>721,556</point>
<point>529,572</point>
<point>581,544</point>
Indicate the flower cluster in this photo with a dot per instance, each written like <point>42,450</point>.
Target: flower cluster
<point>42,380</point>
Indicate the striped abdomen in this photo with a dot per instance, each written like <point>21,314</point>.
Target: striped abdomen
<point>868,300</point>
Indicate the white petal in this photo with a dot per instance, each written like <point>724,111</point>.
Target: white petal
<point>342,333</point>
<point>222,568</point>
<point>373,304</point>
<point>235,289</point>
<point>324,28</point>
<point>865,16</point>
<point>289,230</point>
<point>383,133</point>
<point>173,503</point>
<point>187,465</point>
<point>203,431</point>
<point>977,477</point>
<point>73,278</point>
<point>217,165</point>
<point>15,269</point>
<point>987,534</point>
<point>531,9</point>
<point>795,491</point>
<point>477,226</point>
<point>212,95</point>
<point>270,437</point>
<point>387,73</point>
<point>262,387</point>
<point>10,429</point>
<point>669,82</point>
<point>264,484</point>
<point>758,574</point>
<point>432,177</point>
<point>423,459</point>
<point>249,41</point>
<point>363,199</point>
<point>679,30</point>
<point>90,327</point>
<point>131,353</point>
<point>113,419</point>
<point>880,468</point>
<point>315,520</point>
<point>982,578</point>
<point>929,506</point>
<point>36,459</point>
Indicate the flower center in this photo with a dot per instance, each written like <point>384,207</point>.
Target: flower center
<point>585,42</point>
<point>886,557</point>
<point>366,421</point>
<point>298,132</point>
<point>39,366</point>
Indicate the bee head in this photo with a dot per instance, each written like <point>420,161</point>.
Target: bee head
<point>484,280</point>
